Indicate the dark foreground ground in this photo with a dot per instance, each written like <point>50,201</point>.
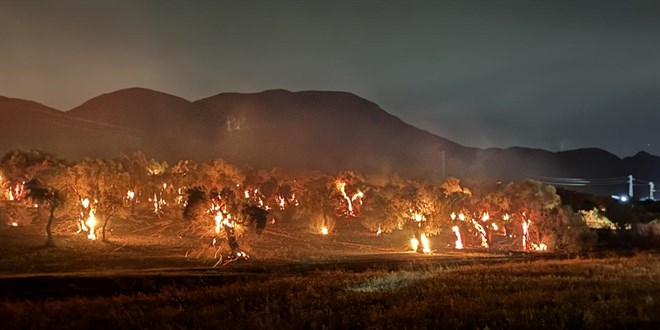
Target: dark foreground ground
<point>155,280</point>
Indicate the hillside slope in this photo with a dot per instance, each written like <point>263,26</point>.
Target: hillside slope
<point>328,131</point>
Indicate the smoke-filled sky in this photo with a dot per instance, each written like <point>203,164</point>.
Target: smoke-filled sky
<point>543,74</point>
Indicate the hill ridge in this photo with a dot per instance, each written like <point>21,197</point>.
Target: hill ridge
<point>323,130</point>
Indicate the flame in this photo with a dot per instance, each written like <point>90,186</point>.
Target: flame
<point>540,247</point>
<point>506,217</point>
<point>414,242</point>
<point>459,243</point>
<point>324,230</point>
<point>130,194</point>
<point>485,217</point>
<point>461,216</point>
<point>495,227</point>
<point>357,196</point>
<point>426,247</point>
<point>218,222</point>
<point>14,224</point>
<point>91,225</point>
<point>341,186</point>
<point>17,191</point>
<point>85,202</point>
<point>482,232</point>
<point>241,254</point>
<point>155,203</point>
<point>525,227</point>
<point>379,232</point>
<point>281,202</point>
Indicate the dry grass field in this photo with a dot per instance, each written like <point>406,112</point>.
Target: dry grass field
<point>154,278</point>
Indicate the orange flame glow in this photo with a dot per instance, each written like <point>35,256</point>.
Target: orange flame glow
<point>459,243</point>
<point>341,186</point>
<point>91,225</point>
<point>426,247</point>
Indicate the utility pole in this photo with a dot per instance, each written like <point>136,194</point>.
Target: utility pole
<point>651,190</point>
<point>630,186</point>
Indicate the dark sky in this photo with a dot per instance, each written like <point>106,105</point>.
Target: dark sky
<point>545,74</point>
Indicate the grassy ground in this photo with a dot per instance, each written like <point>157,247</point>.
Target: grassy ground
<point>154,275</point>
<point>612,292</point>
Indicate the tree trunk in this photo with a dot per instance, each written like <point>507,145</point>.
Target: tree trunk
<point>50,242</point>
<point>105,224</point>
<point>231,238</point>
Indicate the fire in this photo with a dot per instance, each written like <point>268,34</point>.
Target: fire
<point>482,233</point>
<point>281,202</point>
<point>526,243</point>
<point>179,197</point>
<point>379,232</point>
<point>525,227</point>
<point>539,247</point>
<point>459,242</point>
<point>130,194</point>
<point>426,247</point>
<point>218,222</point>
<point>357,196</point>
<point>418,218</point>
<point>351,205</point>
<point>341,186</point>
<point>227,221</point>
<point>414,242</point>
<point>81,221</point>
<point>91,225</point>
<point>17,191</point>
<point>156,205</point>
<point>324,230</point>
<point>485,217</point>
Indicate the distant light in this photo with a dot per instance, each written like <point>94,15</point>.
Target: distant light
<point>622,198</point>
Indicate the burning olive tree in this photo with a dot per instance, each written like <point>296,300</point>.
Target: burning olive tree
<point>230,217</point>
<point>316,206</point>
<point>540,220</point>
<point>20,166</point>
<point>347,194</point>
<point>98,187</point>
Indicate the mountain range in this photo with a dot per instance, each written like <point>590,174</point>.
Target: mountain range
<point>327,131</point>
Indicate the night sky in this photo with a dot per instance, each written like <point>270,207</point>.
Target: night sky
<point>541,74</point>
